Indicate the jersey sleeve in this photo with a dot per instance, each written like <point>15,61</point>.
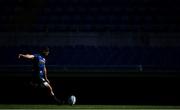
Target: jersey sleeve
<point>35,56</point>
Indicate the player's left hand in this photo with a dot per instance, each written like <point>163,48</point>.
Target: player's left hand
<point>19,56</point>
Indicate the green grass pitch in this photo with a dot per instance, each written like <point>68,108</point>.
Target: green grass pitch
<point>88,107</point>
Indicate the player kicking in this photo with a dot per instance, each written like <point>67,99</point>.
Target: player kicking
<point>40,71</point>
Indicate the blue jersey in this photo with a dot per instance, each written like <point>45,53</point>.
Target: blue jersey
<point>39,65</point>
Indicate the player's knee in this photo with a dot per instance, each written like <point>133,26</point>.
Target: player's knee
<point>46,84</point>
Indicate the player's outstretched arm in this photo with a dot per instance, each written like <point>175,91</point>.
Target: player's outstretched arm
<point>28,56</point>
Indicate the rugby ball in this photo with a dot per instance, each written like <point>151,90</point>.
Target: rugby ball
<point>72,100</point>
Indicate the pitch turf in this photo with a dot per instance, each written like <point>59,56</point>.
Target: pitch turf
<point>89,107</point>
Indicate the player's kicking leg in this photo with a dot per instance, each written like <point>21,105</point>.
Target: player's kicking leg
<point>50,91</point>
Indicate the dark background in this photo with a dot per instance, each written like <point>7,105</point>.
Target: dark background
<point>102,51</point>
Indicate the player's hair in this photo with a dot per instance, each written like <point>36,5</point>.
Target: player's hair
<point>44,50</point>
